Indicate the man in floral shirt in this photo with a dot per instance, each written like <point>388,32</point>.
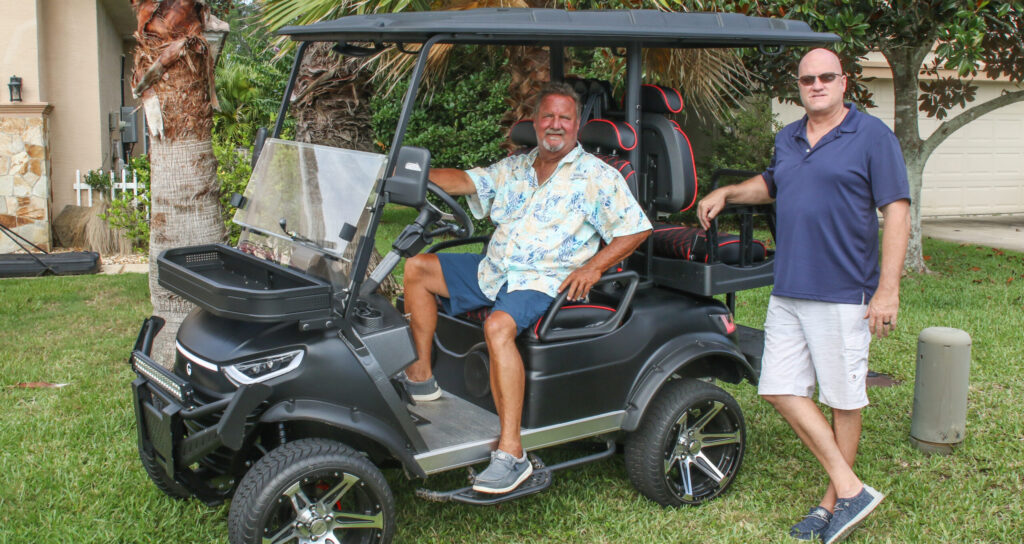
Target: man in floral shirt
<point>551,207</point>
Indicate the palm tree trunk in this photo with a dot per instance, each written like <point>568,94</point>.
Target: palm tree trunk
<point>529,68</point>
<point>174,77</point>
<point>185,211</point>
<point>332,107</point>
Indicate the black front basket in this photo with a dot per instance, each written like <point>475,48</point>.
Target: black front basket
<point>234,284</point>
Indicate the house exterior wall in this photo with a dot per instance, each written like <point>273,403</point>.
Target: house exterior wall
<point>24,144</point>
<point>85,42</point>
<point>68,54</point>
<point>977,170</point>
<point>20,48</point>
<point>111,47</point>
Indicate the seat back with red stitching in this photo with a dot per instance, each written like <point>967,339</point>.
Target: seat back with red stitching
<point>667,154</point>
<point>608,140</point>
<point>690,244</point>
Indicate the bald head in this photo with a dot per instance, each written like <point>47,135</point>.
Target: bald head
<point>821,57</point>
<point>822,84</point>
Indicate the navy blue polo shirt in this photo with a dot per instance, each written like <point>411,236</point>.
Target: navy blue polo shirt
<point>826,197</point>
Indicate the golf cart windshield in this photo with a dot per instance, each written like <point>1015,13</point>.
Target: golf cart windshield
<point>306,206</point>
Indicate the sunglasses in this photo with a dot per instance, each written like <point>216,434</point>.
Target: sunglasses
<point>827,77</point>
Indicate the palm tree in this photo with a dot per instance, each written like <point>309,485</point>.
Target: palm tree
<point>174,78</point>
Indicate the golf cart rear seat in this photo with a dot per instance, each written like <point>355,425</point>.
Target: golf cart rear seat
<point>688,258</point>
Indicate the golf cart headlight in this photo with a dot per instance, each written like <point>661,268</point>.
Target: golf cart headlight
<point>264,368</point>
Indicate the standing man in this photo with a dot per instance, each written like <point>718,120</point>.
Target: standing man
<point>550,208</point>
<point>830,172</point>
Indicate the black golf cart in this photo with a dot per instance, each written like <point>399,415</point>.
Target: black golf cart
<point>283,392</point>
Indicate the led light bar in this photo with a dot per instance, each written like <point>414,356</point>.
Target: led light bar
<point>159,376</point>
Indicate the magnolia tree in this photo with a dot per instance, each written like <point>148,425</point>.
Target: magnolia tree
<point>936,49</point>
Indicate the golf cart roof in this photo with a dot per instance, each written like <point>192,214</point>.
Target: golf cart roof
<point>650,28</point>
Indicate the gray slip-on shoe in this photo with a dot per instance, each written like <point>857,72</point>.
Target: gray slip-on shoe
<point>850,512</point>
<point>421,391</point>
<point>504,474</point>
<point>812,526</point>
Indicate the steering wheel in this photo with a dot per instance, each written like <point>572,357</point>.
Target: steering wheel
<point>462,227</point>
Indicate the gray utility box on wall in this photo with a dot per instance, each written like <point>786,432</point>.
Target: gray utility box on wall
<point>129,124</point>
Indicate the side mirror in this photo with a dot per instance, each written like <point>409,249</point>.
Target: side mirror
<point>257,146</point>
<point>408,184</point>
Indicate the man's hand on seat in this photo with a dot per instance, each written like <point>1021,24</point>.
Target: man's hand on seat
<point>580,281</point>
<point>709,207</point>
<point>751,191</point>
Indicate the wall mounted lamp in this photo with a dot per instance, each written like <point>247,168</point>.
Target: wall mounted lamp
<point>15,88</point>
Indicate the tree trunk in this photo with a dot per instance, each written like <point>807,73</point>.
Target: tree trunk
<point>914,261</point>
<point>185,211</point>
<point>174,78</point>
<point>530,69</point>
<point>905,63</point>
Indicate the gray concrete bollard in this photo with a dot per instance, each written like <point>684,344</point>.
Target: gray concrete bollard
<point>939,420</point>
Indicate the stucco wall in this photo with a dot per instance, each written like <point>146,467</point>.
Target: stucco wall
<point>110,48</point>
<point>20,48</point>
<point>71,65</point>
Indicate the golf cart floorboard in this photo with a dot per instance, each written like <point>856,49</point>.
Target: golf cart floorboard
<point>451,421</point>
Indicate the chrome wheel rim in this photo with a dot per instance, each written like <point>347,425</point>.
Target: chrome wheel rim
<point>331,507</point>
<point>702,451</point>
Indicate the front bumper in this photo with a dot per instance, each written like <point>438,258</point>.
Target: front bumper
<point>178,428</point>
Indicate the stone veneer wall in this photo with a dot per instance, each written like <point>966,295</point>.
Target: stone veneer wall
<point>25,177</point>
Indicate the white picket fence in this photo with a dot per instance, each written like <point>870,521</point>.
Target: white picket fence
<point>123,185</point>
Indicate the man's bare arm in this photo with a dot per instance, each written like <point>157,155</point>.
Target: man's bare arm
<point>751,191</point>
<point>885,303</point>
<point>583,278</point>
<point>452,180</point>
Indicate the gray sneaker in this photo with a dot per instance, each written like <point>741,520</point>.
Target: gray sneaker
<point>504,474</point>
<point>421,391</point>
<point>850,512</point>
<point>812,526</point>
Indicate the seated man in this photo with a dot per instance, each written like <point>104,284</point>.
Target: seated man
<point>549,208</point>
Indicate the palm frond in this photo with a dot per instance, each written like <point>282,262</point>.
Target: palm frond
<point>712,80</point>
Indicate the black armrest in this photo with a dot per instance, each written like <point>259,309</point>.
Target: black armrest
<point>630,277</point>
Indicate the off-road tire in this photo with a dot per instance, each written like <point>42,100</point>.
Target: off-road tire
<point>661,436</point>
<point>306,462</point>
<point>159,477</point>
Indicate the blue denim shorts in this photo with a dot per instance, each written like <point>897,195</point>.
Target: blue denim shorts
<point>460,275</point>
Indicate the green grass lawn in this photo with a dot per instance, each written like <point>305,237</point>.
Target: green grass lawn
<point>69,469</point>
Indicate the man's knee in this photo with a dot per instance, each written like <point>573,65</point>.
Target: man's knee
<point>779,400</point>
<point>420,268</point>
<point>840,413</point>
<point>499,327</point>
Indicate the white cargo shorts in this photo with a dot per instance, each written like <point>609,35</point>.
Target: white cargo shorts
<point>807,341</point>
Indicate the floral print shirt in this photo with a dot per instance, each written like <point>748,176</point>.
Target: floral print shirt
<point>544,232</point>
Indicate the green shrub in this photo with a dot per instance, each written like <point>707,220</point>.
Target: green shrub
<point>743,140</point>
<point>459,120</point>
<point>233,171</point>
<point>98,180</point>
<point>128,211</point>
